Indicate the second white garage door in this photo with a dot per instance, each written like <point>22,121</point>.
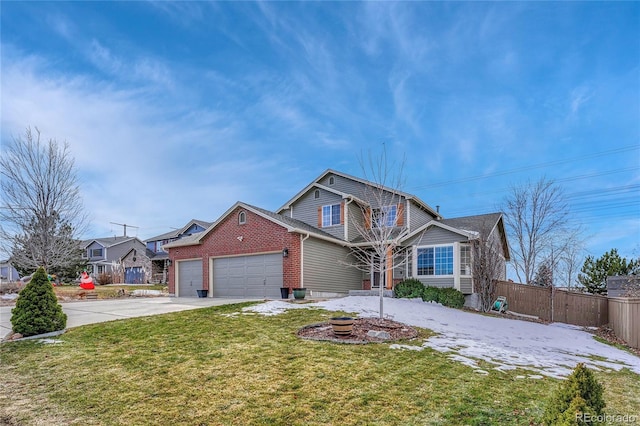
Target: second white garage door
<point>258,276</point>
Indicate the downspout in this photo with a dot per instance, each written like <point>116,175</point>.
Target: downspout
<point>302,240</point>
<point>346,218</point>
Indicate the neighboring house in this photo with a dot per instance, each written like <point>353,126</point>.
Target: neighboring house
<point>623,286</point>
<point>8,272</point>
<point>308,242</point>
<point>159,257</point>
<point>126,258</point>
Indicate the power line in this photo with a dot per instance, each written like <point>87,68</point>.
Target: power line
<point>531,167</point>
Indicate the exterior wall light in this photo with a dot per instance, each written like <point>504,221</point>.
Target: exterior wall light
<point>285,252</point>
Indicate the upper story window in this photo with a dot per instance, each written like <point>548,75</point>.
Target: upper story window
<point>330,215</point>
<point>436,260</point>
<point>332,180</point>
<point>316,194</point>
<point>242,218</point>
<point>95,252</point>
<point>385,216</point>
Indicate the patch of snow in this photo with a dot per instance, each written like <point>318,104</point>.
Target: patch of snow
<point>275,307</point>
<point>144,292</point>
<point>545,350</point>
<point>9,296</point>
<point>50,341</point>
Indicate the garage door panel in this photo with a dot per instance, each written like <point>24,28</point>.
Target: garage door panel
<point>189,277</point>
<point>255,276</point>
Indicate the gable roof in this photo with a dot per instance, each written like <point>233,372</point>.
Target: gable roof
<point>316,183</point>
<point>177,232</point>
<point>292,225</point>
<point>471,227</point>
<point>109,241</point>
<point>474,223</point>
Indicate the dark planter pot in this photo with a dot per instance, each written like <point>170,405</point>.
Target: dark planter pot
<point>342,326</point>
<point>299,293</point>
<point>202,293</point>
<point>284,292</point>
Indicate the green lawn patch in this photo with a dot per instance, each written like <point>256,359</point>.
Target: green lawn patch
<point>220,366</point>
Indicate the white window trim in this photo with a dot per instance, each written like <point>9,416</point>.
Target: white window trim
<point>415,260</point>
<point>383,210</point>
<point>331,206</point>
<point>470,274</point>
<point>242,218</point>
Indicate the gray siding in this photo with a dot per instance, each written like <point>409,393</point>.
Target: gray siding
<point>437,282</point>
<point>417,216</point>
<point>360,190</point>
<point>117,252</point>
<point>435,235</point>
<point>354,215</point>
<point>342,184</point>
<point>324,268</point>
<point>93,246</point>
<point>306,210</point>
<point>466,285</point>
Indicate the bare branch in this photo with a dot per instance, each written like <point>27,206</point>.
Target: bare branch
<point>41,215</point>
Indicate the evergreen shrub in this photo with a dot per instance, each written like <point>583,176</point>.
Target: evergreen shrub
<point>409,288</point>
<point>580,394</point>
<point>451,298</point>
<point>37,310</point>
<point>431,294</point>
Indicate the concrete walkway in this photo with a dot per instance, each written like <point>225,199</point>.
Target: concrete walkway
<point>90,312</point>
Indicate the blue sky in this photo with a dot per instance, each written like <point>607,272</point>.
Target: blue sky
<point>175,110</point>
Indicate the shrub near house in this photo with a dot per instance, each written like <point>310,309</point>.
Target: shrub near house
<point>37,310</point>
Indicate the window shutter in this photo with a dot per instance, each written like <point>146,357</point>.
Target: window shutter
<point>400,215</point>
<point>367,218</point>
<point>319,216</point>
<point>342,213</point>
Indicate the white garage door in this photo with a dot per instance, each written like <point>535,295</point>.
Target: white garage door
<point>258,276</point>
<point>189,277</point>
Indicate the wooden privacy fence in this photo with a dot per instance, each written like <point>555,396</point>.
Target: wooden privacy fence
<point>624,319</point>
<point>550,304</point>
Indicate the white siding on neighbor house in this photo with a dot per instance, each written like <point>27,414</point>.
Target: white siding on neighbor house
<point>324,269</point>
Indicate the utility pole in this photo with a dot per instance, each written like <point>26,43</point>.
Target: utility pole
<point>125,226</point>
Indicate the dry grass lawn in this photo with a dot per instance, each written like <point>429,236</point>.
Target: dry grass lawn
<point>219,366</point>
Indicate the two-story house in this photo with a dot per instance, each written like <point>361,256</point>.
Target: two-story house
<point>318,239</point>
<point>124,258</point>
<point>160,257</point>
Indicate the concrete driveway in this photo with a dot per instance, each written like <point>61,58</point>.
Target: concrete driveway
<point>81,313</point>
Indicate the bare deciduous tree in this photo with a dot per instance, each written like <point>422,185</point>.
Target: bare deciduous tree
<point>537,219</point>
<point>41,213</point>
<point>380,222</point>
<point>487,265</point>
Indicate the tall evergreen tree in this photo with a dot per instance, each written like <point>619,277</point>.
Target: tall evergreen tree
<point>594,272</point>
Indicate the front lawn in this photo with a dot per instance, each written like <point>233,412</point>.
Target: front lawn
<point>219,366</point>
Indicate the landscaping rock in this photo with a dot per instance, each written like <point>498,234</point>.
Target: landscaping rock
<point>383,335</point>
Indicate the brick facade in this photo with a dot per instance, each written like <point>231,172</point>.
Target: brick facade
<point>230,238</point>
